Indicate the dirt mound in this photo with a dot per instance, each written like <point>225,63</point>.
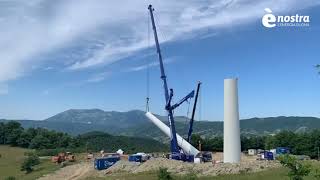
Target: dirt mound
<point>178,167</point>
<point>123,166</point>
<point>172,166</point>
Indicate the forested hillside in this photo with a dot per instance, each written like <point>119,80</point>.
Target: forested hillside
<point>299,143</point>
<point>134,123</point>
<point>48,142</point>
<point>13,134</point>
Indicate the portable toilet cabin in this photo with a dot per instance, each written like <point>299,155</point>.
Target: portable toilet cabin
<point>252,152</point>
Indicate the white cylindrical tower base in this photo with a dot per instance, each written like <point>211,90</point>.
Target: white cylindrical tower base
<point>231,125</point>
<point>182,143</point>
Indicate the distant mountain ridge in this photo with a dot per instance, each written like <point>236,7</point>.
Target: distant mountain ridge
<point>99,117</point>
<point>134,123</point>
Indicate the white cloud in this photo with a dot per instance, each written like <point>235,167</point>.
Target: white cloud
<point>152,64</point>
<point>98,77</point>
<point>116,29</point>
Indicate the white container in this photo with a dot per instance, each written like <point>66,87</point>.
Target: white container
<point>274,152</point>
<point>252,152</point>
<point>197,160</point>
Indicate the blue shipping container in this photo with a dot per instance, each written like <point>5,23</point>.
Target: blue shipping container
<point>268,155</point>
<point>135,158</point>
<point>105,163</point>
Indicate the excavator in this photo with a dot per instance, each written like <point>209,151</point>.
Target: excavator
<point>62,157</point>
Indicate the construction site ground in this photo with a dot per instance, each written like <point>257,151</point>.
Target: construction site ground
<point>84,169</point>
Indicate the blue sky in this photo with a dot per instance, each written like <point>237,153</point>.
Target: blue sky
<point>90,54</point>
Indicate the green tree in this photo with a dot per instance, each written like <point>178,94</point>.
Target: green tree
<point>314,141</point>
<point>213,144</point>
<point>40,142</point>
<point>64,140</point>
<point>2,133</point>
<point>25,139</point>
<point>30,162</point>
<point>12,132</point>
<point>195,139</point>
<point>302,144</point>
<point>297,170</point>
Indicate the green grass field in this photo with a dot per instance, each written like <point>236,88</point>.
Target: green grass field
<point>12,157</point>
<point>11,160</point>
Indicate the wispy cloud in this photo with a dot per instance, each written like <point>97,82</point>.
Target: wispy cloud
<point>111,30</point>
<point>48,68</point>
<point>98,77</point>
<point>94,78</point>
<point>149,65</point>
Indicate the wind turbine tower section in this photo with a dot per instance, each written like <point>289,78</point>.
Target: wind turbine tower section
<point>231,125</point>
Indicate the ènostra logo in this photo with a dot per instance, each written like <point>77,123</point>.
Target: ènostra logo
<point>269,20</point>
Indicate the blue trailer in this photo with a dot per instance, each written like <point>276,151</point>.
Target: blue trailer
<point>135,158</point>
<point>268,155</point>
<point>106,162</point>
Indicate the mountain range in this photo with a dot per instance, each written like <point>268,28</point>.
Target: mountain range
<point>134,123</point>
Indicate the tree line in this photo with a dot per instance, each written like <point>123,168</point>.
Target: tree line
<point>49,142</point>
<point>306,143</point>
<point>12,133</point>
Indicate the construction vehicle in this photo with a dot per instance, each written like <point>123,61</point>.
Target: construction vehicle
<point>177,152</point>
<point>62,157</point>
<point>70,157</point>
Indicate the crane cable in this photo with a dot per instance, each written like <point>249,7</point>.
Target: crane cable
<point>200,105</point>
<point>165,39</point>
<point>188,111</point>
<point>148,72</point>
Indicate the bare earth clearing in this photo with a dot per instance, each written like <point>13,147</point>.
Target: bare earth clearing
<point>77,171</point>
<point>84,170</point>
<point>181,168</point>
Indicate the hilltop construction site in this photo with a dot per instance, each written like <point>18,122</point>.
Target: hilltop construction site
<point>228,57</point>
<point>84,169</point>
